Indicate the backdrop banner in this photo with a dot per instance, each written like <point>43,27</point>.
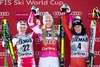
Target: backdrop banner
<point>16,10</point>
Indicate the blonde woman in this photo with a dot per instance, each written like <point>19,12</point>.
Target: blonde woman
<point>48,38</point>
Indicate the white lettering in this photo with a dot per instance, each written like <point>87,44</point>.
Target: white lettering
<point>18,2</point>
<point>48,48</point>
<point>57,13</point>
<point>97,39</point>
<point>53,2</point>
<point>2,14</point>
<point>76,13</point>
<point>41,2</point>
<point>97,53</point>
<point>5,2</point>
<point>37,54</point>
<point>96,65</point>
<point>3,54</point>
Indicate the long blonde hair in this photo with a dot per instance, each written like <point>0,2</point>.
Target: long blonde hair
<point>44,33</point>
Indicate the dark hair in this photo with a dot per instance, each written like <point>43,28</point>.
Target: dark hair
<point>83,32</point>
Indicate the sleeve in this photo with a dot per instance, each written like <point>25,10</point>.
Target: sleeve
<point>14,41</point>
<point>32,25</point>
<point>3,44</point>
<point>65,26</point>
<point>70,21</point>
